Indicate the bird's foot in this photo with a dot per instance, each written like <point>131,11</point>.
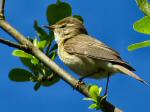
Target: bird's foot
<point>103,97</point>
<point>79,84</point>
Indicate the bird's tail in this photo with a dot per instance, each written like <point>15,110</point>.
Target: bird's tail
<point>130,73</point>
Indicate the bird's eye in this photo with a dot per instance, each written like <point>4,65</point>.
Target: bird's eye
<point>63,26</point>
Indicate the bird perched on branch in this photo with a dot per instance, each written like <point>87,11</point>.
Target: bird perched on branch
<point>85,55</point>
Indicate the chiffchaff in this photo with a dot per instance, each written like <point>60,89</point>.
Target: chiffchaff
<point>85,55</point>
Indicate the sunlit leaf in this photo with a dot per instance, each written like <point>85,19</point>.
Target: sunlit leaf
<point>143,25</point>
<point>35,42</point>
<point>22,54</point>
<point>94,91</point>
<point>139,45</point>
<point>90,99</point>
<point>93,106</point>
<point>19,75</point>
<point>34,60</point>
<point>42,44</point>
<point>100,90</point>
<point>58,11</point>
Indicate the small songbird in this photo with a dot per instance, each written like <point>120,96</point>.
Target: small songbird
<point>85,55</point>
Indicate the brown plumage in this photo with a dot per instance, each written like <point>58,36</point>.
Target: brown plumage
<point>85,45</point>
<point>86,55</point>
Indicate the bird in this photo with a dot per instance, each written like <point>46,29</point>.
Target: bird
<point>86,55</point>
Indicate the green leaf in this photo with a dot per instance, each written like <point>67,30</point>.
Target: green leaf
<point>79,17</point>
<point>34,60</point>
<point>49,82</point>
<point>100,90</point>
<point>41,33</point>
<point>141,2</point>
<point>143,25</point>
<point>58,11</point>
<point>35,42</point>
<point>94,91</point>
<point>22,54</point>
<point>27,63</point>
<point>53,55</point>
<point>139,45</point>
<point>144,6</point>
<point>19,75</point>
<point>37,86</point>
<point>88,99</point>
<point>93,106</point>
<point>42,44</point>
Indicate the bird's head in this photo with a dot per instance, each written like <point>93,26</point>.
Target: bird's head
<point>67,28</point>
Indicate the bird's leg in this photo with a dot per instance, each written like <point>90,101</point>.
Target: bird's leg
<point>106,89</point>
<point>80,82</point>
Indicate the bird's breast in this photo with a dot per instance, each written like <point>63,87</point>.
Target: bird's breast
<point>76,63</point>
<point>83,65</point>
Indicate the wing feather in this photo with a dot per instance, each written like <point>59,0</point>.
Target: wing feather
<point>85,45</point>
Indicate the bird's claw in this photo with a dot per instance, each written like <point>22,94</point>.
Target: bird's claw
<point>79,84</point>
<point>104,97</point>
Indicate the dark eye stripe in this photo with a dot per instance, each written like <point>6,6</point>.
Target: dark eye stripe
<point>63,26</point>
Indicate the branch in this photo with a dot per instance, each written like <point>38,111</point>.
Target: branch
<point>2,6</point>
<point>15,45</point>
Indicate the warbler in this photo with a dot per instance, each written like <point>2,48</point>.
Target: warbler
<point>84,54</point>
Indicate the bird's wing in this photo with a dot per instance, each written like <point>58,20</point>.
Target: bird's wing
<point>85,45</point>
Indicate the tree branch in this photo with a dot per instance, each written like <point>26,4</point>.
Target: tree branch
<point>15,45</point>
<point>2,6</point>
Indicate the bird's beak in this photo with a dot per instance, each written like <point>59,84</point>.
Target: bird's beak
<point>52,27</point>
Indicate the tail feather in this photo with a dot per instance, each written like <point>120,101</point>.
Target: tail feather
<point>130,73</point>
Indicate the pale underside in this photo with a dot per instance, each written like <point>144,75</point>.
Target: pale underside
<point>87,66</point>
<point>88,56</point>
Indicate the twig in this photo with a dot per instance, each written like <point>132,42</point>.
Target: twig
<point>106,106</point>
<point>15,45</point>
<point>2,6</point>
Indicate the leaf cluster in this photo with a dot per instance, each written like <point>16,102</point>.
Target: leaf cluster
<point>36,71</point>
<point>95,93</point>
<point>142,25</point>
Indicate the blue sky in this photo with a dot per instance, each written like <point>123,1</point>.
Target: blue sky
<point>110,22</point>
